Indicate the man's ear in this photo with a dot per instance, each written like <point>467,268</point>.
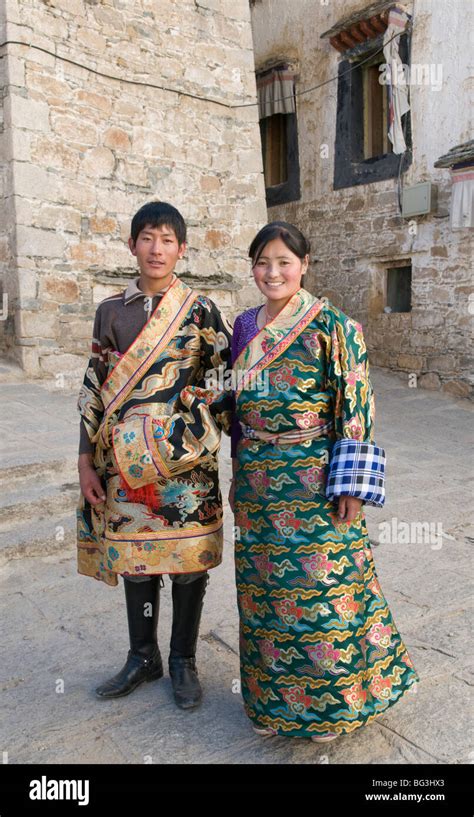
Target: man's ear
<point>182,249</point>
<point>131,245</point>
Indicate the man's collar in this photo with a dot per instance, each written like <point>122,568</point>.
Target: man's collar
<point>133,291</point>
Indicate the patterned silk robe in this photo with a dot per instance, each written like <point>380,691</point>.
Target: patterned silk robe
<point>155,422</point>
<point>320,651</point>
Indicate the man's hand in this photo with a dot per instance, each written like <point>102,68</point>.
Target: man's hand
<point>91,486</point>
<point>349,507</point>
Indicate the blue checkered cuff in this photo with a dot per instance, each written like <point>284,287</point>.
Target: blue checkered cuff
<point>357,469</point>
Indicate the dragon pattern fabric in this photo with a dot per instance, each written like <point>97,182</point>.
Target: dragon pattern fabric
<point>159,402</point>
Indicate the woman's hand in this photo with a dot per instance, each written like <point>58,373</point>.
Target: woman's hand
<point>349,507</point>
<point>91,486</point>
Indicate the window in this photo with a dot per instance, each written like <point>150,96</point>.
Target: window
<point>399,289</point>
<point>370,104</point>
<point>375,110</point>
<point>363,152</point>
<point>274,149</point>
<point>279,137</point>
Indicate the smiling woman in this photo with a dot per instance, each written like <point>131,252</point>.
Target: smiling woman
<point>320,653</point>
<point>280,257</point>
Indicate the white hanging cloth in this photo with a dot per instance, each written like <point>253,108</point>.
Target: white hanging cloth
<point>398,87</point>
<point>462,198</point>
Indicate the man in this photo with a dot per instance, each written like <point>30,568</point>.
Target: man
<point>151,417</point>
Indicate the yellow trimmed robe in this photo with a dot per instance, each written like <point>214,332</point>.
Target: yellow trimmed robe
<point>155,425</point>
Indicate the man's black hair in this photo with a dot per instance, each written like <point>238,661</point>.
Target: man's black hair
<point>158,214</point>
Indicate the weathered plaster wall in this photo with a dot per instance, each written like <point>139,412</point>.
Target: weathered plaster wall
<point>356,232</point>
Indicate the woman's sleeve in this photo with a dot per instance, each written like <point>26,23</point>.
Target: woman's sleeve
<point>357,464</point>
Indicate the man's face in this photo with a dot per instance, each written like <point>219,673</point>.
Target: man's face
<point>157,252</point>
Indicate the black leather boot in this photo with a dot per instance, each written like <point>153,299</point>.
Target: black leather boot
<point>144,662</point>
<point>187,609</point>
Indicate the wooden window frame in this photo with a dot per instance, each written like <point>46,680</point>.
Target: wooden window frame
<point>368,70</point>
<point>289,190</point>
<point>272,155</point>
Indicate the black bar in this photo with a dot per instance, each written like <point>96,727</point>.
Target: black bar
<point>337,787</point>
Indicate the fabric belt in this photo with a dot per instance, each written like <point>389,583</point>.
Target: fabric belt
<point>294,435</point>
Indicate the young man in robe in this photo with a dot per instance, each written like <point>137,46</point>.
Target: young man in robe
<point>151,418</point>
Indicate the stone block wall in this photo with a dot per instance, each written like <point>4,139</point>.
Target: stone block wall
<point>82,151</point>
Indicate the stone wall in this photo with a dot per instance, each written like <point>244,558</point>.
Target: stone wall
<point>83,151</point>
<point>357,232</point>
<point>8,284</point>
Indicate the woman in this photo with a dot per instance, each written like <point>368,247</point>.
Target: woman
<point>319,650</point>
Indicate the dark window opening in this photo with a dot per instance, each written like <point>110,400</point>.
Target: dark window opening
<point>280,158</point>
<point>279,134</point>
<point>399,289</point>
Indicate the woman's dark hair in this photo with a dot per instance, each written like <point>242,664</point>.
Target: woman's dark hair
<point>158,214</point>
<point>289,234</point>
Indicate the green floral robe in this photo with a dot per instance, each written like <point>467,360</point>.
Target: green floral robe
<point>320,652</point>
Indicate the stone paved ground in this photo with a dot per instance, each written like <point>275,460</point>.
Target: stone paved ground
<point>57,625</point>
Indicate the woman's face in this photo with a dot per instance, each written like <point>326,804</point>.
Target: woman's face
<point>278,271</point>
